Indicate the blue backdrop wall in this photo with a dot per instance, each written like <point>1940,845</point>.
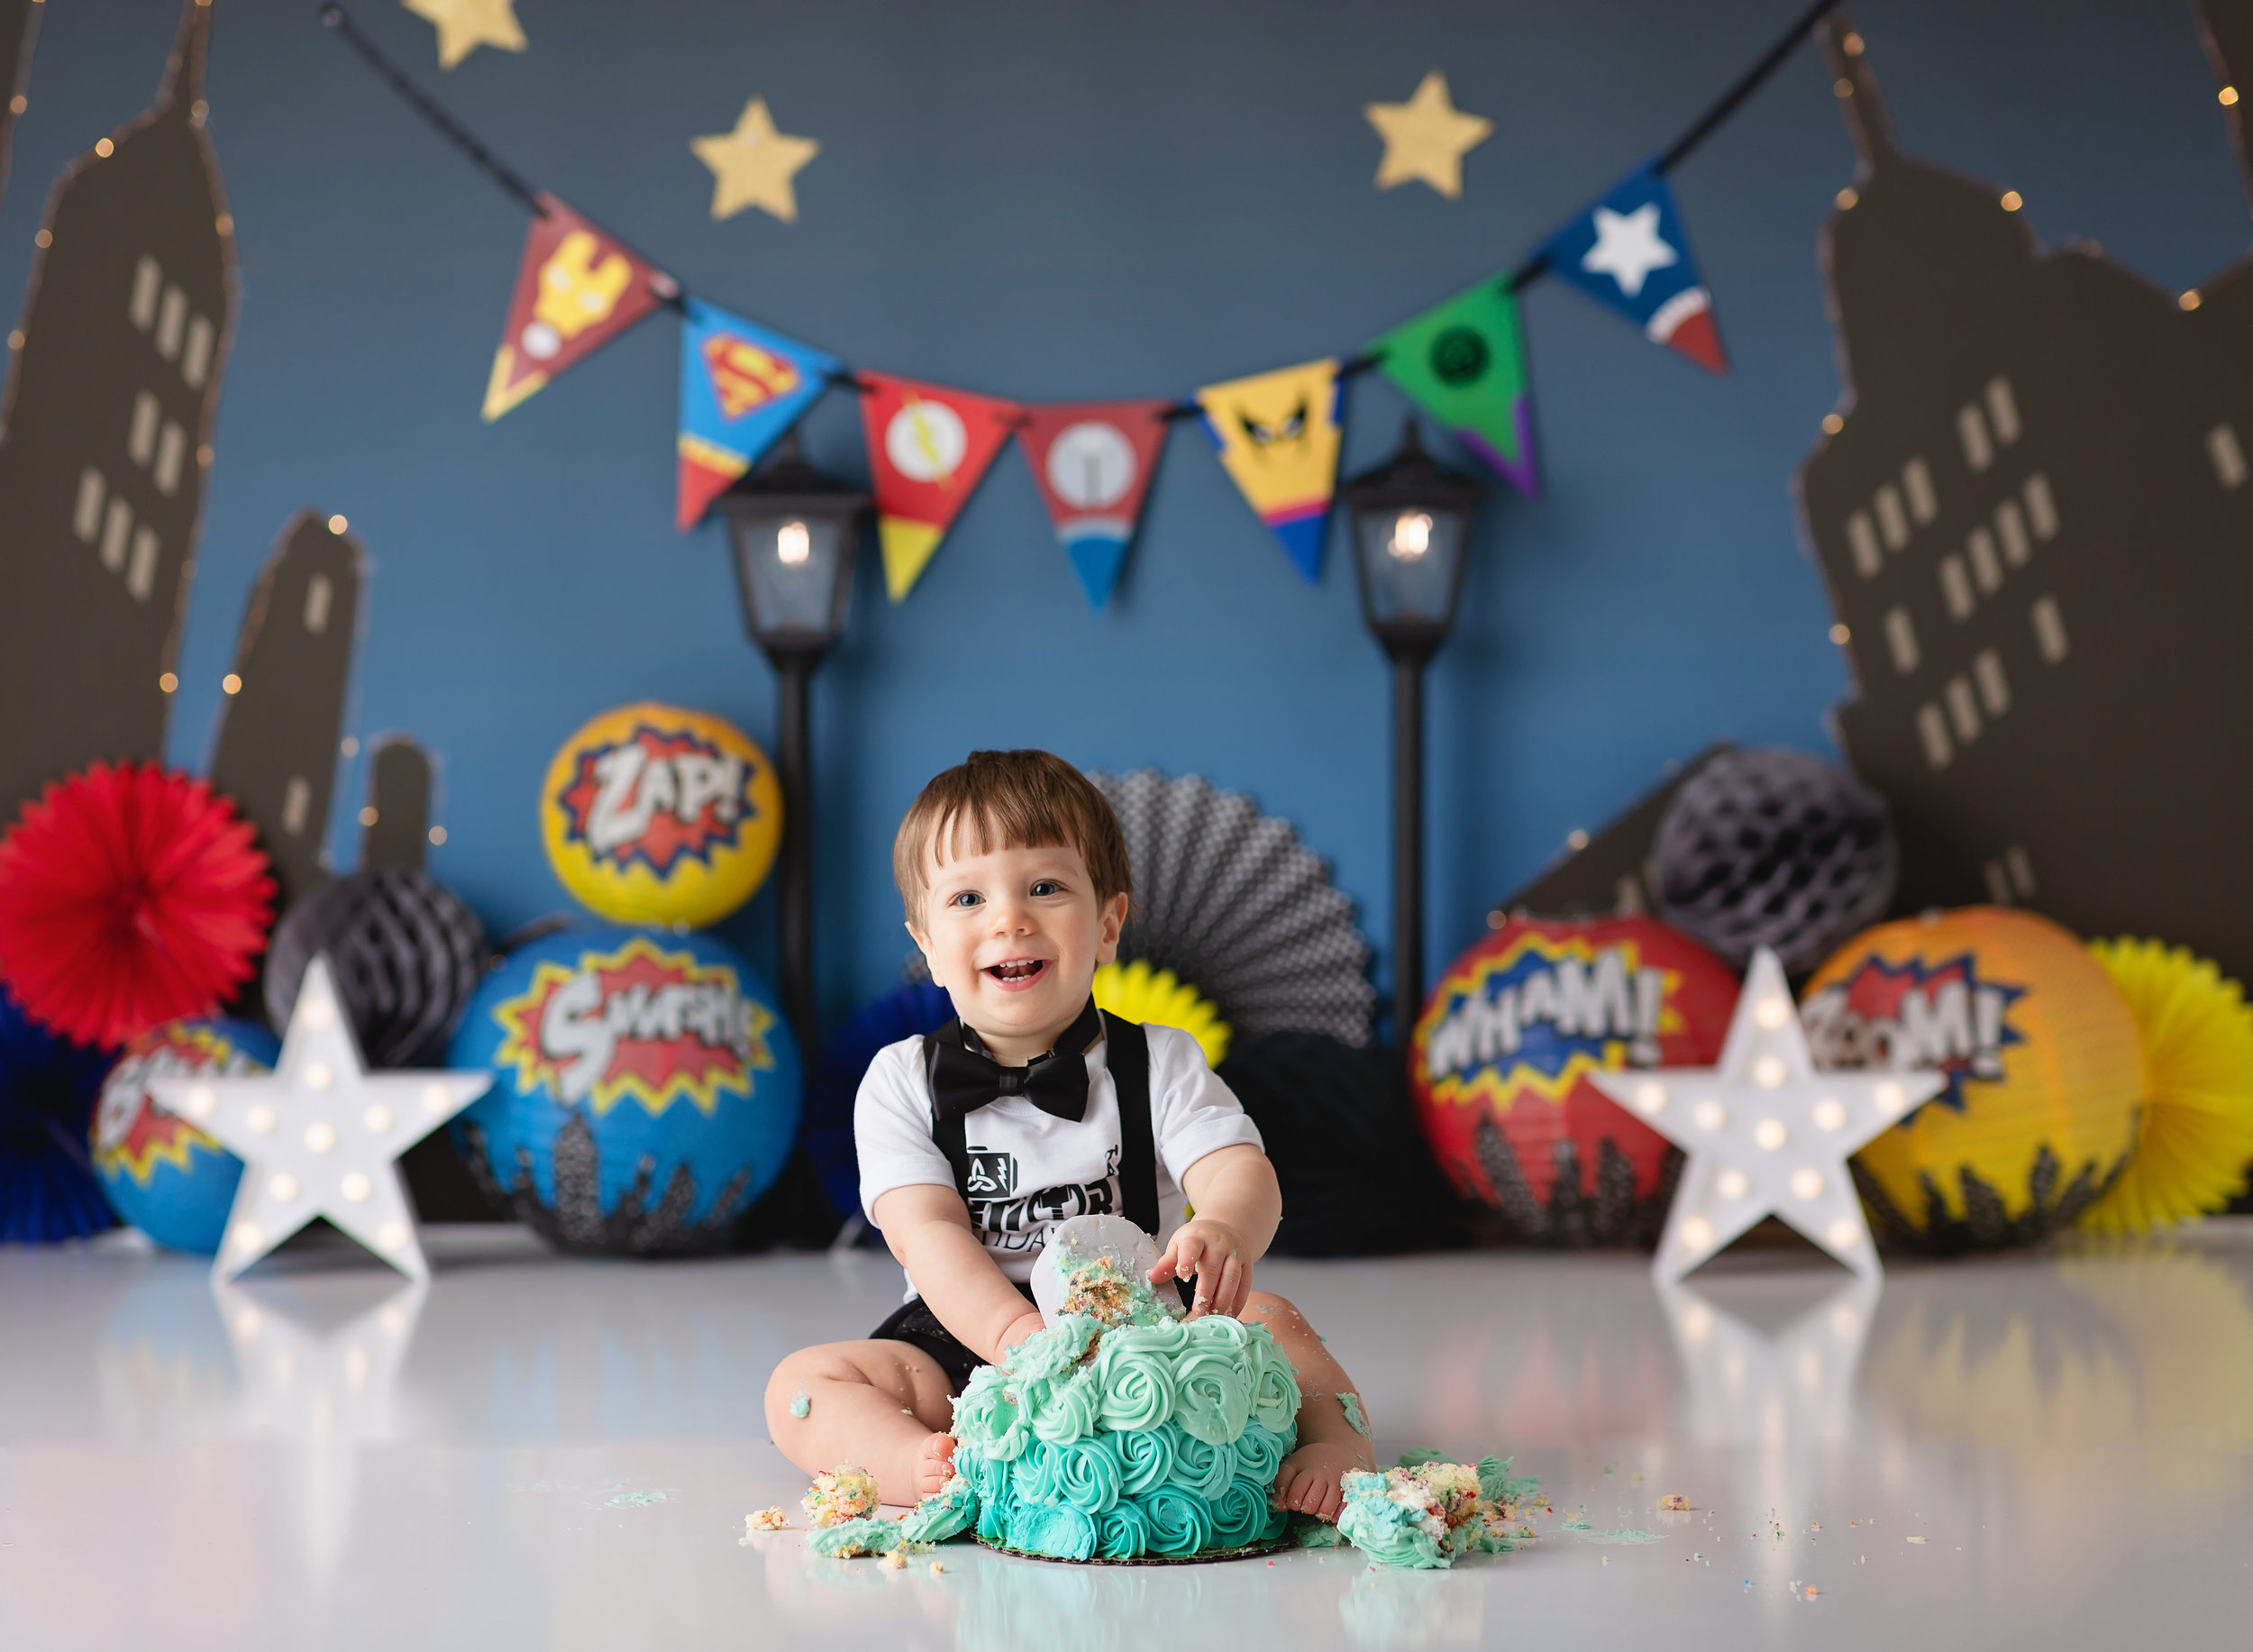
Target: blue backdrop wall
<point>1061,200</point>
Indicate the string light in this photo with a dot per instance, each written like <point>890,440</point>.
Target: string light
<point>2227,96</point>
<point>438,835</point>
<point>2190,300</point>
<point>104,148</point>
<point>231,684</point>
<point>1843,87</point>
<point>2012,200</point>
<point>337,524</point>
<point>1833,424</point>
<point>350,745</point>
<point>1841,634</point>
<point>166,683</point>
<point>1576,839</point>
<point>368,815</point>
<point>43,239</point>
<point>1847,199</point>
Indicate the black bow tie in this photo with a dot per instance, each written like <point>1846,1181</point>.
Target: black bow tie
<point>964,1078</point>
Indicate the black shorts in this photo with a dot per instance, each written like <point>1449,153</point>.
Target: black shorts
<point>913,1324</point>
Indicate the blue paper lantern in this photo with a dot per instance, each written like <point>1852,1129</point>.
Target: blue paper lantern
<point>646,1089</point>
<point>163,1174</point>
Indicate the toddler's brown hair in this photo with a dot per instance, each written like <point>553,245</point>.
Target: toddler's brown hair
<point>1027,798</point>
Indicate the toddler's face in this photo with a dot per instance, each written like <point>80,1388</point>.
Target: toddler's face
<point>1015,936</point>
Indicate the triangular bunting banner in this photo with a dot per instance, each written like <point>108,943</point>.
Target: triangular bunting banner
<point>1629,251</point>
<point>741,388</point>
<point>576,290</point>
<point>1278,437</point>
<point>1093,461</point>
<point>929,446</point>
<point>1463,363</point>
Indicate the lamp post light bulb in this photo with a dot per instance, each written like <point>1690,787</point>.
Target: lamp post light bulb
<point>793,544</point>
<point>1411,536</point>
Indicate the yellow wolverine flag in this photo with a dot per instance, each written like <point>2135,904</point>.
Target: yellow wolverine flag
<point>1278,436</point>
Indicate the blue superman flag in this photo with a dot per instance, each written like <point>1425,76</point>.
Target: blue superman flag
<point>741,388</point>
<point>1629,251</point>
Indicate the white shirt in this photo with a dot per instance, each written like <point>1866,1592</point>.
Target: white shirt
<point>1031,1170</point>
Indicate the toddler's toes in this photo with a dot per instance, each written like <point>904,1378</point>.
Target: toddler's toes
<point>935,1467</point>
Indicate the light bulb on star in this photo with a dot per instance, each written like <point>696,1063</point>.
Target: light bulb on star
<point>1765,1132</point>
<point>319,1136</point>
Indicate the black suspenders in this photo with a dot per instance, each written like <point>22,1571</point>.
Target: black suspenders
<point>1126,1054</point>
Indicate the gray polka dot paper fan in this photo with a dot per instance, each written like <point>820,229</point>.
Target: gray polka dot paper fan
<point>1234,904</point>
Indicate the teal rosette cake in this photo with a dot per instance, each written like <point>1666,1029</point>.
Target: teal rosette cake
<point>1122,1432</point>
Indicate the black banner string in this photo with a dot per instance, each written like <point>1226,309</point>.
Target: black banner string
<point>1533,268</point>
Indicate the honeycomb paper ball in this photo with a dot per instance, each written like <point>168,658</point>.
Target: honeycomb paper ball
<point>1773,847</point>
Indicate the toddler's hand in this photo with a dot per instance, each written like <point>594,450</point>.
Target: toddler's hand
<point>1212,1254</point>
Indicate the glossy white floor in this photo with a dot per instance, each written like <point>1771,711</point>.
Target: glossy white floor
<point>2048,1450</point>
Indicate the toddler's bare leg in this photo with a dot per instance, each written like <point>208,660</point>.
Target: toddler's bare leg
<point>878,1404</point>
<point>1329,1444</point>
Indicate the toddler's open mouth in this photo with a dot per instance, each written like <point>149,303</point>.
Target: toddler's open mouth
<point>1018,972</point>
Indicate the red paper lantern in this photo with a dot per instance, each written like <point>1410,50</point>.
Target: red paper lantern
<point>129,897</point>
<point>1502,1055</point>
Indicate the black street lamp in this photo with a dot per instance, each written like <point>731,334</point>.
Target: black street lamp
<point>1412,528</point>
<point>795,530</point>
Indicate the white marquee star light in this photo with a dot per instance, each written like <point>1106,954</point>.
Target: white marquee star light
<point>320,1135</point>
<point>1629,247</point>
<point>1765,1132</point>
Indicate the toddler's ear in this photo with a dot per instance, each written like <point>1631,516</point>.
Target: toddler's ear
<point>1114,917</point>
<point>923,945</point>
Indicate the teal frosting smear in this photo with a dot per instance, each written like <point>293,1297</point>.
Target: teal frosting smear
<point>1060,1530</point>
<point>1350,1403</point>
<point>1317,1534</point>
<point>947,1513</point>
<point>872,1535</point>
<point>1429,1512</point>
<point>800,1404</point>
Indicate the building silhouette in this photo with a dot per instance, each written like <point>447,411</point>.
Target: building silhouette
<point>104,434</point>
<point>2034,520</point>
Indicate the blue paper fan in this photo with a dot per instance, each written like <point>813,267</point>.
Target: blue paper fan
<point>48,1088</point>
<point>910,1012</point>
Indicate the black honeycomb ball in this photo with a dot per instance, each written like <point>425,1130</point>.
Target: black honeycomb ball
<point>1774,847</point>
<point>405,952</point>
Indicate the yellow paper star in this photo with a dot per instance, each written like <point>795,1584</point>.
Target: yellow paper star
<point>464,25</point>
<point>753,165</point>
<point>1426,137</point>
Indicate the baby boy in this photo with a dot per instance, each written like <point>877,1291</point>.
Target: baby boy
<point>1029,1108</point>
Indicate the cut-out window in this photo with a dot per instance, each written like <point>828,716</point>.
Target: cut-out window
<point>1916,481</point>
<point>2010,529</point>
<point>171,320</point>
<point>319,590</point>
<point>1994,688</point>
<point>2041,508</point>
<point>297,804</point>
<point>2021,870</point>
<point>1955,587</point>
<point>1963,711</point>
<point>140,578</point>
<point>1932,729</point>
<point>195,360</point>
<point>1971,426</point>
<point>1985,565</point>
<point>116,522</point>
<point>1862,539</point>
<point>2003,408</point>
<point>141,439</point>
<point>148,281</point>
<point>1900,636</point>
<point>2049,629</point>
<point>2221,447</point>
<point>1892,520</point>
<point>86,521</point>
<point>170,447</point>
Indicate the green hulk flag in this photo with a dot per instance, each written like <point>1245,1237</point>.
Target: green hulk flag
<point>1463,363</point>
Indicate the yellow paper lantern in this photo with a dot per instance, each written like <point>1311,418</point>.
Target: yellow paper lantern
<point>2044,1072</point>
<point>2197,1135</point>
<point>654,814</point>
<point>1137,992</point>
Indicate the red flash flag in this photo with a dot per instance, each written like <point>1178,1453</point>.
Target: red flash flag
<point>576,289</point>
<point>929,446</point>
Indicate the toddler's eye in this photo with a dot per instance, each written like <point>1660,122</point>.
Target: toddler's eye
<point>968,898</point>
<point>1048,886</point>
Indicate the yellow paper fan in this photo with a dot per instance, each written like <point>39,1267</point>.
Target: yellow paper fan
<point>2197,1137</point>
<point>1139,993</point>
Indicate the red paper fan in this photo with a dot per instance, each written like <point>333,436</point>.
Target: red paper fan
<point>129,897</point>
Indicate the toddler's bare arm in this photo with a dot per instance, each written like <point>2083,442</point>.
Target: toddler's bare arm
<point>928,1230</point>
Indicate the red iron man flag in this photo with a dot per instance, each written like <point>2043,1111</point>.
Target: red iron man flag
<point>929,446</point>
<point>576,289</point>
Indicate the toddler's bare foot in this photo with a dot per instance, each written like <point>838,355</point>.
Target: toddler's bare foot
<point>1309,1480</point>
<point>934,1466</point>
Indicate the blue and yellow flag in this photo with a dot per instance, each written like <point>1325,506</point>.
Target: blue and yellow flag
<point>1279,437</point>
<point>741,388</point>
